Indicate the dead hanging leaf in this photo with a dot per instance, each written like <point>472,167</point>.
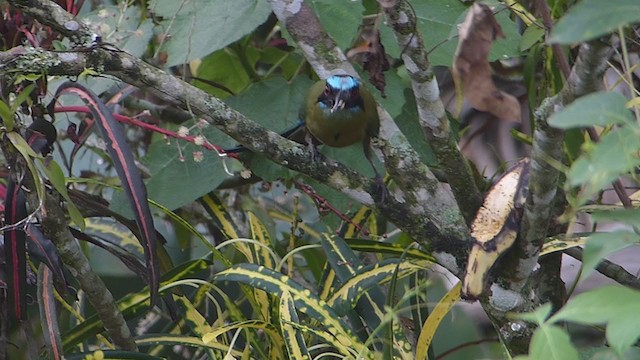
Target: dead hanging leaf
<point>369,51</point>
<point>471,69</point>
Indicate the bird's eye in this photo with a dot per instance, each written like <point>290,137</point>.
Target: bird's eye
<point>326,91</point>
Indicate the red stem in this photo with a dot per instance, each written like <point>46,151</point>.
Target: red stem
<point>141,124</point>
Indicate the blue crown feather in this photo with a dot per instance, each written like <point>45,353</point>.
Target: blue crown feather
<point>343,82</point>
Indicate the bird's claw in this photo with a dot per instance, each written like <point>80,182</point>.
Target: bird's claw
<point>380,190</point>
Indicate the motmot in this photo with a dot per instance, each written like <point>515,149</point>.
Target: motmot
<point>338,112</point>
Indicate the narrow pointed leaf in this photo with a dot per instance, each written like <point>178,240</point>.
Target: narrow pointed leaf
<point>15,251</point>
<point>367,277</point>
<point>131,305</point>
<point>48,314</point>
<point>6,115</point>
<point>116,145</point>
<point>168,339</point>
<point>44,250</point>
<point>433,321</point>
<point>379,247</point>
<point>273,282</point>
<point>296,347</point>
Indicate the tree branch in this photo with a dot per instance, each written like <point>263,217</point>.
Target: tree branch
<point>509,291</point>
<point>425,209</point>
<point>609,269</point>
<point>432,117</point>
<point>420,189</point>
<point>55,226</point>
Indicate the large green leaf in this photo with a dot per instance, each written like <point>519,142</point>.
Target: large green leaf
<point>197,28</point>
<point>550,342</point>
<point>340,19</point>
<point>439,22</point>
<point>612,305</point>
<point>592,18</point>
<point>274,103</point>
<point>176,181</point>
<point>224,68</point>
<point>613,156</point>
<point>600,245</point>
<point>123,30</point>
<point>600,108</point>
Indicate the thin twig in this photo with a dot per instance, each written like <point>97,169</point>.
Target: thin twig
<point>467,344</point>
<point>609,269</point>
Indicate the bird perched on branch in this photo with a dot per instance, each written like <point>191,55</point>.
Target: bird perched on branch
<point>338,112</point>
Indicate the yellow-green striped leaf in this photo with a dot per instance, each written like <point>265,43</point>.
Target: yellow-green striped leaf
<point>167,339</point>
<point>219,214</point>
<point>348,294</point>
<point>293,338</point>
<point>196,322</point>
<point>379,247</point>
<point>276,283</point>
<point>131,305</point>
<point>433,321</point>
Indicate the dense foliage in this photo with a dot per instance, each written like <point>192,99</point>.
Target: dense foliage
<point>129,232</point>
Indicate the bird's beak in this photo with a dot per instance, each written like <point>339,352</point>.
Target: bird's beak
<point>338,103</point>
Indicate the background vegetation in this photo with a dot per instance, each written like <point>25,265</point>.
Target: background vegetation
<point>272,255</point>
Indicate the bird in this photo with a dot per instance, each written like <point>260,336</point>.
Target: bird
<point>337,112</point>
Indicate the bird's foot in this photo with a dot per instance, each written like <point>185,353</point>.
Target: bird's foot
<point>380,190</point>
<point>315,153</point>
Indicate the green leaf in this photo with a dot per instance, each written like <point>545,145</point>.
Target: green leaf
<point>223,67</point>
<point>59,182</point>
<point>550,342</point>
<point>123,30</point>
<point>600,245</point>
<point>294,341</point>
<point>600,108</point>
<point>613,305</point>
<point>199,27</point>
<point>7,116</point>
<point>538,316</point>
<point>346,296</point>
<point>28,154</point>
<point>273,103</point>
<point>306,302</point>
<point>439,20</point>
<point>111,355</point>
<point>531,36</point>
<point>340,19</point>
<point>131,305</point>
<point>430,326</point>
<point>183,340</point>
<point>176,182</point>
<point>628,216</point>
<point>192,317</point>
<point>592,18</point>
<point>22,97</point>
<point>613,156</point>
<point>379,247</point>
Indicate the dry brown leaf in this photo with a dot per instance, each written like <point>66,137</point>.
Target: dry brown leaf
<point>370,52</point>
<point>471,69</point>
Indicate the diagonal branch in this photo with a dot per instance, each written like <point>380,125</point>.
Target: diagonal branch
<point>424,209</point>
